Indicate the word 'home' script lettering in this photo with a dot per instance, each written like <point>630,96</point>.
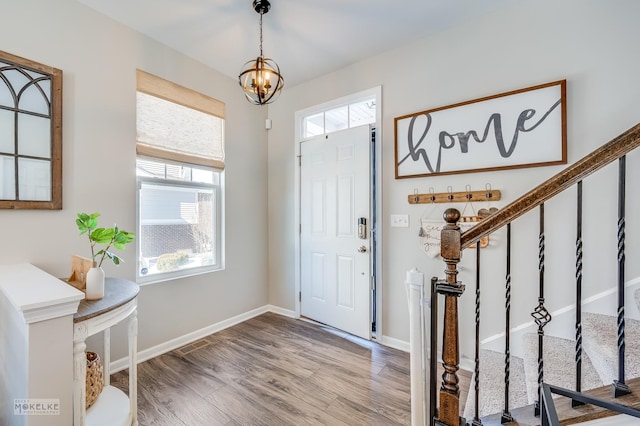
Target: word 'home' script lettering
<point>526,121</point>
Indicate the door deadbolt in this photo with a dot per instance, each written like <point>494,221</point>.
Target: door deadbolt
<point>362,249</point>
<point>362,228</point>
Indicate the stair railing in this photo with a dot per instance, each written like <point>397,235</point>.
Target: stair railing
<point>549,415</point>
<point>453,241</point>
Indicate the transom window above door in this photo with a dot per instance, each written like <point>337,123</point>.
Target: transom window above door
<point>339,118</point>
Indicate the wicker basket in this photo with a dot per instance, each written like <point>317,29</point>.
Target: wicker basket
<point>94,381</point>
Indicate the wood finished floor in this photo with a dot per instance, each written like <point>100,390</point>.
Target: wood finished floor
<point>274,370</point>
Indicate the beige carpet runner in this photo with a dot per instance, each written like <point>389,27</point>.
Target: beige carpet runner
<point>599,365</point>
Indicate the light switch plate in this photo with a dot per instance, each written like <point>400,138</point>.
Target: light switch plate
<point>399,220</point>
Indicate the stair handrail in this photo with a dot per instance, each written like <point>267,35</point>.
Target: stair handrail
<point>607,153</point>
<point>453,241</point>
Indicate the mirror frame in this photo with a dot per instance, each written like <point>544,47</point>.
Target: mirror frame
<point>55,116</point>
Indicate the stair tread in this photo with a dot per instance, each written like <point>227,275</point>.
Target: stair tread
<point>559,365</point>
<point>600,341</point>
<point>492,385</point>
<point>524,416</point>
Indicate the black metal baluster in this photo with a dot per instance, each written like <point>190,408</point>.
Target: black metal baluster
<point>540,313</point>
<point>506,415</point>
<point>476,419</point>
<point>574,402</point>
<point>619,386</point>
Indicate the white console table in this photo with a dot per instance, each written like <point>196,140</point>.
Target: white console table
<point>113,407</point>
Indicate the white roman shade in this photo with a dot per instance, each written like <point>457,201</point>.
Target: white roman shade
<point>178,124</point>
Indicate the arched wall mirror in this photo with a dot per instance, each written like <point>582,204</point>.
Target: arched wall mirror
<point>30,134</point>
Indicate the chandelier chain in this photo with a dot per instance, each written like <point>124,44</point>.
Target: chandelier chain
<point>261,13</point>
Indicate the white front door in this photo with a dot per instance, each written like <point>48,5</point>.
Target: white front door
<point>335,236</point>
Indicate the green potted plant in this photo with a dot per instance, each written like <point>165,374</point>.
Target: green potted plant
<point>108,237</point>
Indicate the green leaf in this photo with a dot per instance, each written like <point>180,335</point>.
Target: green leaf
<point>86,222</point>
<point>102,235</point>
<point>116,259</point>
<point>122,238</point>
<point>82,227</point>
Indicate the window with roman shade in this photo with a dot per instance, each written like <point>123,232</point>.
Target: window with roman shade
<point>180,167</point>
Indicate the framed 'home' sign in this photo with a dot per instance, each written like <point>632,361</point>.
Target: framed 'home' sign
<point>522,128</point>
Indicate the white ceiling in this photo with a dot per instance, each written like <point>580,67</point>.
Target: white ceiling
<point>306,38</point>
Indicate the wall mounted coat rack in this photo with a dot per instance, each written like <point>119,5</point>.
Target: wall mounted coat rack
<point>455,197</point>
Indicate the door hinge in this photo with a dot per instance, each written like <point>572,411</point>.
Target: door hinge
<point>299,160</point>
<point>299,296</point>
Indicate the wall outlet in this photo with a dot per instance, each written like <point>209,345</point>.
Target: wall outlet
<point>399,220</point>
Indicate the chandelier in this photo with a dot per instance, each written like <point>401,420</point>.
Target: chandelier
<point>260,78</point>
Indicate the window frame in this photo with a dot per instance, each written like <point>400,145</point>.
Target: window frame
<point>322,110</point>
<point>218,212</point>
<point>171,92</point>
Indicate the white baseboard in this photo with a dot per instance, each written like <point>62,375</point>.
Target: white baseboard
<point>467,364</point>
<point>154,351</point>
<point>395,343</point>
<point>281,311</point>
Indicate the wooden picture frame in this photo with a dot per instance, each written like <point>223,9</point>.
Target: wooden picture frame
<point>521,128</point>
<point>79,268</point>
<point>30,134</point>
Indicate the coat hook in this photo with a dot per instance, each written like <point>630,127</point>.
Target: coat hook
<point>450,191</point>
<point>432,192</point>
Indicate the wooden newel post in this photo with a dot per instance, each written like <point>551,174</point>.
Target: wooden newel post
<point>449,411</point>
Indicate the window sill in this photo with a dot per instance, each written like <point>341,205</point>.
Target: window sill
<point>176,275</point>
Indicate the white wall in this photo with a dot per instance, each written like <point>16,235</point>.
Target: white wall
<point>590,43</point>
<point>99,58</point>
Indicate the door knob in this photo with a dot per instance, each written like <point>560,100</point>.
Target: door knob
<point>362,249</point>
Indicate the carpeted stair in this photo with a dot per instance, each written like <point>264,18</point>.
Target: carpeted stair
<point>600,341</point>
<point>599,364</point>
<point>492,385</point>
<point>559,366</point>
